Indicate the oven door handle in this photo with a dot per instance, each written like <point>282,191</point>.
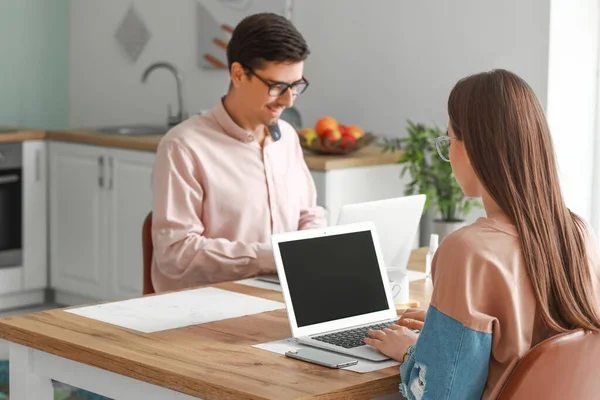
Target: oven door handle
<point>6,179</point>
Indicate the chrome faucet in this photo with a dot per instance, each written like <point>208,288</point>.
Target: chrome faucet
<point>172,120</point>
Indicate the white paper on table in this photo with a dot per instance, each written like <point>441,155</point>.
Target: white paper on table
<point>260,284</point>
<point>178,309</point>
<point>363,366</point>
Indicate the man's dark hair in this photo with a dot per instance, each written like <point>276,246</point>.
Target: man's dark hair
<point>265,37</point>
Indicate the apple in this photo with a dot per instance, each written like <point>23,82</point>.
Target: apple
<point>309,135</point>
<point>343,129</point>
<point>330,137</point>
<point>348,141</point>
<point>355,131</point>
<point>326,123</point>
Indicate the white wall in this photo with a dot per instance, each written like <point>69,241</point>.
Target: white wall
<point>373,63</point>
<point>572,91</point>
<point>379,65</point>
<point>105,86</point>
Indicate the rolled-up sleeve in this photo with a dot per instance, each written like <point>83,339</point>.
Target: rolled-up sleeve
<point>449,361</point>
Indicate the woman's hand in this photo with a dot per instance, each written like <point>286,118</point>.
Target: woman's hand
<point>412,319</point>
<point>414,313</point>
<point>392,341</point>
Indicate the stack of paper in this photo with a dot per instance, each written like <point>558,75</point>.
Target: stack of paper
<point>177,309</point>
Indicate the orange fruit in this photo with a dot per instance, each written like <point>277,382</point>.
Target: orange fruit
<point>326,123</point>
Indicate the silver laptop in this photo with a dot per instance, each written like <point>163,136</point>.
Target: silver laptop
<point>397,222</point>
<point>335,287</point>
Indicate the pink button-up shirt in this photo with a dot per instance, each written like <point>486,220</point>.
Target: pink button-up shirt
<point>218,197</point>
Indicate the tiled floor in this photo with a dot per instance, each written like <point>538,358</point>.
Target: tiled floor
<point>61,391</point>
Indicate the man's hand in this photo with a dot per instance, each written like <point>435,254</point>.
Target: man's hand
<point>392,341</point>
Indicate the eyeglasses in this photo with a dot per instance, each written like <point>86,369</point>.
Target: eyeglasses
<point>277,89</point>
<point>442,144</point>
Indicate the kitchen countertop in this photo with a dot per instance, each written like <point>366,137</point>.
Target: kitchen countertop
<point>368,156</point>
<point>147,143</point>
<point>23,135</point>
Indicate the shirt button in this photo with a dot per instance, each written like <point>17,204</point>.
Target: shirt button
<point>163,231</point>
<point>249,138</point>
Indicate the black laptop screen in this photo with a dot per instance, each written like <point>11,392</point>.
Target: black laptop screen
<point>333,277</point>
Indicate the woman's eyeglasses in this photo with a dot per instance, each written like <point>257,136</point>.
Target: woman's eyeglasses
<point>442,144</point>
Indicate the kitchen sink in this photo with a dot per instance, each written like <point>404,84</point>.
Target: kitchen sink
<point>132,130</point>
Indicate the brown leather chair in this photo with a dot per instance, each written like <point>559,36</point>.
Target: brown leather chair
<point>564,366</point>
<point>147,249</point>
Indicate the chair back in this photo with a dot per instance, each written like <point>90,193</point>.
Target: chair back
<point>564,366</point>
<point>147,249</point>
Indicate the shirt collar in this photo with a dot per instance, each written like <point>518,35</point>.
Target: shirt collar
<point>229,126</point>
<point>237,132</point>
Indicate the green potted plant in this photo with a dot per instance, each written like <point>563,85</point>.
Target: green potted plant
<point>432,176</point>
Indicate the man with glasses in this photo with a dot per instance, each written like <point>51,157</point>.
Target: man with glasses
<point>225,181</point>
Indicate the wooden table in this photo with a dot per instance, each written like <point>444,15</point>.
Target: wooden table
<point>208,361</point>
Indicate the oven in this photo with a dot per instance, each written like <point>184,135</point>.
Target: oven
<point>11,213</point>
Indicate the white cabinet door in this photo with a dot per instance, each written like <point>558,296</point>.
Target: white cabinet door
<point>338,187</point>
<point>77,220</point>
<point>130,199</point>
<point>35,242</point>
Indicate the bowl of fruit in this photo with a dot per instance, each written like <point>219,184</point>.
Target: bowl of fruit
<point>330,137</point>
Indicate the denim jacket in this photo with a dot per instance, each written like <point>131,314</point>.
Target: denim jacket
<point>449,361</point>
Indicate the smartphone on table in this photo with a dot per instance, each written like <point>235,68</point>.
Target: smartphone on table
<point>320,357</point>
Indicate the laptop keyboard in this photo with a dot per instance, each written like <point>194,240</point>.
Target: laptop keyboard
<point>350,338</point>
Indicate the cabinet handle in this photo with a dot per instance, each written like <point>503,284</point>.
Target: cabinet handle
<point>101,171</point>
<point>111,173</point>
<point>37,166</point>
<point>6,179</point>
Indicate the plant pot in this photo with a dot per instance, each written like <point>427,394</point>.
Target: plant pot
<point>426,227</point>
<point>444,228</point>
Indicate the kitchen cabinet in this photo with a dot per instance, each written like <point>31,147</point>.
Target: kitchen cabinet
<point>368,174</point>
<point>338,187</point>
<point>35,219</point>
<point>24,283</point>
<point>99,197</point>
<point>129,202</point>
<point>77,220</point>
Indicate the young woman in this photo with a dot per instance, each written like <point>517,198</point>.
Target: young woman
<point>527,271</point>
